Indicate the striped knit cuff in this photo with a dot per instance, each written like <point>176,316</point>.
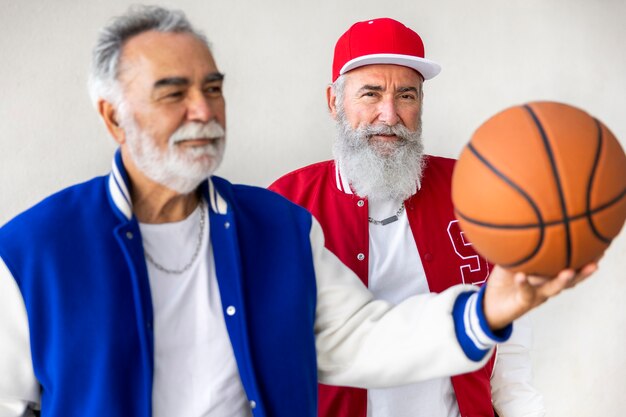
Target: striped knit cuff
<point>472,330</point>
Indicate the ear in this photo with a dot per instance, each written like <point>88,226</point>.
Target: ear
<point>110,116</point>
<point>331,101</point>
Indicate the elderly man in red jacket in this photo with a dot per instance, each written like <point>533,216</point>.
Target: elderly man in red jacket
<point>386,212</point>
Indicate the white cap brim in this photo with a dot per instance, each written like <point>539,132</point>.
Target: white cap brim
<point>426,67</point>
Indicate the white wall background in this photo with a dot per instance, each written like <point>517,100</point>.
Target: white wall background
<point>277,58</point>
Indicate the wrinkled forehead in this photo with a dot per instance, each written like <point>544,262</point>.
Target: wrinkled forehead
<point>153,55</point>
<point>384,75</point>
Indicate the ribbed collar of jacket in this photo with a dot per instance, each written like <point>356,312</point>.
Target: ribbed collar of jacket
<point>119,186</point>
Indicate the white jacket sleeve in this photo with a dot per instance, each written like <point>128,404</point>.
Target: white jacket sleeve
<point>18,386</point>
<point>369,343</point>
<point>512,391</point>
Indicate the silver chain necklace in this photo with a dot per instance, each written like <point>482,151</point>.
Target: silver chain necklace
<point>389,219</point>
<point>195,253</point>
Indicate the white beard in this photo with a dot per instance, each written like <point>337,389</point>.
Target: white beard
<point>379,170</point>
<point>177,168</point>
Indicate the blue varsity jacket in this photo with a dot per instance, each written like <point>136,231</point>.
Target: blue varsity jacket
<point>78,260</point>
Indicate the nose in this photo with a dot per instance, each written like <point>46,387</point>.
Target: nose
<point>388,111</point>
<point>200,109</point>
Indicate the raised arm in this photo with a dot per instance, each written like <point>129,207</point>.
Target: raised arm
<point>370,343</point>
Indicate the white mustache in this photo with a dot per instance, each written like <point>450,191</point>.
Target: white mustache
<point>195,130</point>
<point>398,130</point>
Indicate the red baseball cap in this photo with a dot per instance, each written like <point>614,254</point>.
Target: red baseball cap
<point>381,41</point>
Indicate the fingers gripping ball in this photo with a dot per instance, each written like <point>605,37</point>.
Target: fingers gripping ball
<point>541,187</point>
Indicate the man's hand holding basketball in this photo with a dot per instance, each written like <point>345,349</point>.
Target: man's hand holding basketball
<point>509,295</point>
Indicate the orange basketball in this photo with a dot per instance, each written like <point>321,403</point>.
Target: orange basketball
<point>540,188</point>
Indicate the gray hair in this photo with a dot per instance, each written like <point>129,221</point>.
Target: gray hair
<point>338,88</point>
<point>103,78</point>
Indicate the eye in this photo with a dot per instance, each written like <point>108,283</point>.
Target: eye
<point>172,95</point>
<point>213,90</point>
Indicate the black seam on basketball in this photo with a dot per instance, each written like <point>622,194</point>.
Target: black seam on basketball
<point>545,225</point>
<point>523,226</point>
<point>610,202</point>
<point>559,187</point>
<point>596,163</point>
<point>517,188</point>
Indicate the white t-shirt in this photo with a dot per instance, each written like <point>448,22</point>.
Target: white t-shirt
<point>195,373</point>
<point>396,273</point>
